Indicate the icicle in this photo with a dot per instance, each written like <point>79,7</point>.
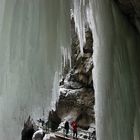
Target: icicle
<point>79,17</point>
<point>66,57</point>
<point>55,91</point>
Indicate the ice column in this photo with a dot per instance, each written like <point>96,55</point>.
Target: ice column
<point>116,71</point>
<point>31,33</point>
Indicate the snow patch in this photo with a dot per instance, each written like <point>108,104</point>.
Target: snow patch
<point>48,136</point>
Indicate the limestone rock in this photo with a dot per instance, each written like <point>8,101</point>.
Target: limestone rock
<point>131,8</point>
<point>53,120</point>
<point>76,88</point>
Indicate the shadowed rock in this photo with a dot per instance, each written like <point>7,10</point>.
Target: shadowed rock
<point>28,130</point>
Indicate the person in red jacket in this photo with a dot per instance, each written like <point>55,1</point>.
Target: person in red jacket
<point>74,126</point>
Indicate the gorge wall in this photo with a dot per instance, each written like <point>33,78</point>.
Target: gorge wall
<point>31,34</point>
<point>116,65</point>
<point>76,100</point>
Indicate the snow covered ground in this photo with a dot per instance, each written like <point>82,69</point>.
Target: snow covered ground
<point>48,136</point>
<point>82,134</point>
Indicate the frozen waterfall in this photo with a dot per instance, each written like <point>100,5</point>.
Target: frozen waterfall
<point>116,69</point>
<point>31,35</point>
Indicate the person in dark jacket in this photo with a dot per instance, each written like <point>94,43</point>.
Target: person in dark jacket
<point>66,128</point>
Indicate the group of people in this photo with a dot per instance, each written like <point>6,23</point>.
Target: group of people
<point>74,127</point>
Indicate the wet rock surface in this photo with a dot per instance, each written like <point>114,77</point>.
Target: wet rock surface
<point>131,9</point>
<point>76,93</point>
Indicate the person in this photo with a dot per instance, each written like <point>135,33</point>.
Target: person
<point>74,126</point>
<point>41,122</point>
<point>66,128</point>
<point>93,135</point>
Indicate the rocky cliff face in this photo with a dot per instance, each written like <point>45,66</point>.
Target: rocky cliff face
<point>76,88</point>
<point>131,8</point>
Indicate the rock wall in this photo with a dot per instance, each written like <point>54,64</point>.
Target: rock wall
<point>131,8</point>
<point>76,88</point>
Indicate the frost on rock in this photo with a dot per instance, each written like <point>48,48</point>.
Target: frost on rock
<point>38,135</point>
<point>72,85</point>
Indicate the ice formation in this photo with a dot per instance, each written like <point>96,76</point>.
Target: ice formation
<point>116,70</point>
<point>31,33</point>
